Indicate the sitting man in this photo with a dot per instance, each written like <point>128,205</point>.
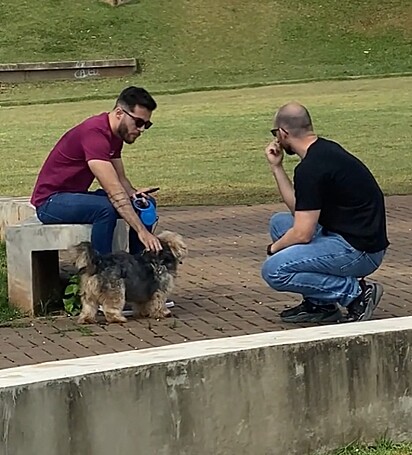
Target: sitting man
<point>92,149</point>
<point>336,232</point>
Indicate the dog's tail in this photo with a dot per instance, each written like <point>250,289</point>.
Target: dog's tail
<point>85,258</point>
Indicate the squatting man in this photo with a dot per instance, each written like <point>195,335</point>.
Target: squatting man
<point>334,234</point>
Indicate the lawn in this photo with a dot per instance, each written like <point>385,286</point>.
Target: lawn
<point>207,147</point>
<point>382,447</point>
<point>193,44</point>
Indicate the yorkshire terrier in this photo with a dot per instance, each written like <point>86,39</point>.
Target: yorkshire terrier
<point>143,280</point>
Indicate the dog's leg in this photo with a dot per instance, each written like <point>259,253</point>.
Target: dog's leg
<point>155,308</point>
<point>113,301</point>
<point>89,308</point>
<point>89,292</point>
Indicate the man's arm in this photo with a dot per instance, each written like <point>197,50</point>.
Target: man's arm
<point>303,229</point>
<point>108,178</point>
<point>285,186</point>
<point>274,154</point>
<point>118,166</point>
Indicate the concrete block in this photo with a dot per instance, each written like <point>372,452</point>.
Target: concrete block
<point>14,210</point>
<point>33,261</point>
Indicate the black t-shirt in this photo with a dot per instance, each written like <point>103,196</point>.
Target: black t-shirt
<point>350,201</point>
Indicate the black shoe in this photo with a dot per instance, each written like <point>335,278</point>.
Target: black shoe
<point>308,312</point>
<point>362,308</point>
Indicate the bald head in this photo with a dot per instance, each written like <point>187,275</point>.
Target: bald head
<point>295,119</point>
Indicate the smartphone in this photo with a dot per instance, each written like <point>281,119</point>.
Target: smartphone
<point>152,190</point>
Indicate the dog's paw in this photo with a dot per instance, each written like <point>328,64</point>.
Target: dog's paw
<point>116,319</point>
<point>161,314</point>
<point>86,320</point>
<point>166,313</point>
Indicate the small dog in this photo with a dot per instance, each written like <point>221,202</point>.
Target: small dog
<point>144,280</point>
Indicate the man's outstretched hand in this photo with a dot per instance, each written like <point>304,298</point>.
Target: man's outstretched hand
<point>150,241</point>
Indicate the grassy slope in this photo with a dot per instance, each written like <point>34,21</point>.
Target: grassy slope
<point>193,43</point>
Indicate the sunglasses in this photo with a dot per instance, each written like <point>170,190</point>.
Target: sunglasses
<point>275,131</point>
<point>139,122</point>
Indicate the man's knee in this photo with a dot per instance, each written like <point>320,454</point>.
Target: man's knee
<point>274,273</point>
<point>279,223</point>
<point>106,212</point>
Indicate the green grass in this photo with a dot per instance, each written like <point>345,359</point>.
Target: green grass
<point>207,147</point>
<point>382,447</point>
<point>195,44</point>
<point>7,313</point>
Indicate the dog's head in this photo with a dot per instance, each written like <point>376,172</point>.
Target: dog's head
<point>175,243</point>
<point>167,260</point>
<point>84,257</point>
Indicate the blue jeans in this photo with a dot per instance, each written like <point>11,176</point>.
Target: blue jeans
<point>324,271</point>
<point>93,208</point>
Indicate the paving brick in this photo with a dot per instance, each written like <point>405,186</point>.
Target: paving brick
<point>19,358</point>
<point>40,355</point>
<point>147,336</point>
<point>219,291</point>
<point>113,343</point>
<point>19,342</point>
<point>95,346</point>
<point>74,348</point>
<point>6,363</point>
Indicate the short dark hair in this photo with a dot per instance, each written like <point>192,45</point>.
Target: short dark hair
<point>136,96</point>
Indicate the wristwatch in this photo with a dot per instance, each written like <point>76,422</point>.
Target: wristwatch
<point>268,250</point>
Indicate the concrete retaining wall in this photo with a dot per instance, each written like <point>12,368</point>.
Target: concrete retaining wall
<point>77,70</point>
<point>116,2</point>
<point>276,393</point>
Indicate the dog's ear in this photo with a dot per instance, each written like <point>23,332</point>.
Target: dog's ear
<point>176,244</point>
<point>84,257</point>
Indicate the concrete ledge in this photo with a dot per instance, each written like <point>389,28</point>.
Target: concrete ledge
<point>116,2</point>
<point>277,393</point>
<point>30,72</point>
<point>14,210</point>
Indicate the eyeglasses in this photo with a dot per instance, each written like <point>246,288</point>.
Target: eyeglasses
<point>275,130</point>
<point>139,122</point>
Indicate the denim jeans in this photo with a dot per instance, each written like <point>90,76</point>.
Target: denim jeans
<point>93,208</point>
<point>324,271</point>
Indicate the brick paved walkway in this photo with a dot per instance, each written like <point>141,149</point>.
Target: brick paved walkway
<point>219,292</point>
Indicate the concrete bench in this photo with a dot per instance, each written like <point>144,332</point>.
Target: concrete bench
<point>33,258</point>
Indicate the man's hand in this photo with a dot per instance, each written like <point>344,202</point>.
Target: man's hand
<point>143,192</point>
<point>271,249</point>
<point>151,242</point>
<point>274,154</point>
<point>302,232</point>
